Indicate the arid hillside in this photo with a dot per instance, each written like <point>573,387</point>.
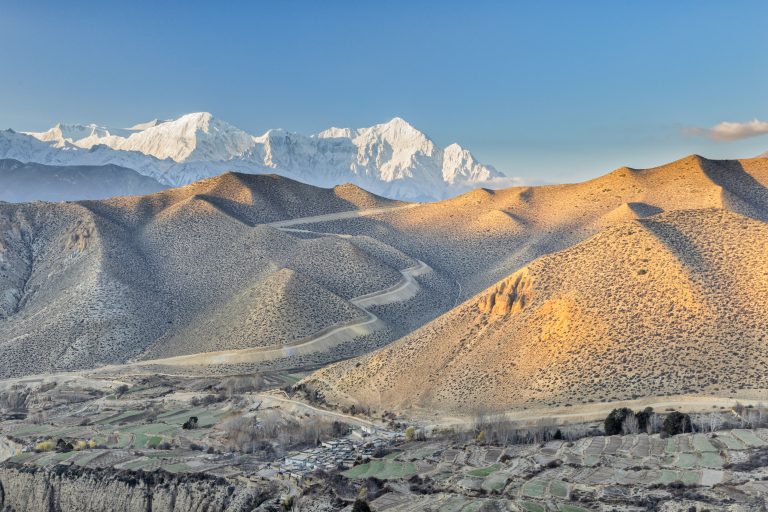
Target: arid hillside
<point>482,236</point>
<point>263,263</point>
<point>675,303</point>
<point>186,270</point>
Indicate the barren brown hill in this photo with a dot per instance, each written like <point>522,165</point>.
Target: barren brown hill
<point>200,268</point>
<point>482,236</point>
<point>181,271</point>
<point>676,303</point>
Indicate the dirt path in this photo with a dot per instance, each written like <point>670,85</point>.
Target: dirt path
<point>324,339</point>
<point>598,411</point>
<point>339,216</point>
<point>267,397</point>
<point>320,341</point>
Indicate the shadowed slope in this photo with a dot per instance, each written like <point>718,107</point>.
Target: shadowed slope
<point>98,282</point>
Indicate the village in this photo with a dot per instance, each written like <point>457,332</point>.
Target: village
<point>362,443</point>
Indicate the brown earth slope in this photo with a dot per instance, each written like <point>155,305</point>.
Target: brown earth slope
<point>482,236</point>
<point>198,268</point>
<point>674,303</point>
<point>180,271</point>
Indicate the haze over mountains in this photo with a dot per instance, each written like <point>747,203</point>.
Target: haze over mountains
<point>24,182</point>
<point>392,159</point>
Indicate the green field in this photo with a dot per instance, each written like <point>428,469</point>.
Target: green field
<point>731,442</point>
<point>711,460</point>
<point>686,460</point>
<point>495,482</point>
<point>558,488</point>
<point>749,438</point>
<point>535,488</point>
<point>382,469</point>
<point>178,467</point>
<point>702,444</point>
<point>87,456</point>
<point>484,471</point>
<point>530,506</point>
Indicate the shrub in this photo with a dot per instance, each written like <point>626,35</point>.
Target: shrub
<point>676,423</point>
<point>45,446</point>
<point>615,420</point>
<point>410,433</point>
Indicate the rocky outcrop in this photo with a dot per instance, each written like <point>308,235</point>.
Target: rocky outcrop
<point>72,488</point>
<point>509,296</point>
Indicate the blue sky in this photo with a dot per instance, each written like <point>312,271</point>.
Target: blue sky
<point>551,91</point>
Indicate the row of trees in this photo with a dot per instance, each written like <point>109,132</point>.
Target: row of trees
<point>626,421</point>
<point>498,429</point>
<point>272,433</point>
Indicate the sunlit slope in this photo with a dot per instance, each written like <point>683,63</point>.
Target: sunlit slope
<point>674,303</point>
<point>484,235</point>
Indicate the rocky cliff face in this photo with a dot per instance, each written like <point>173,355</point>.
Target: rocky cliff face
<point>69,488</point>
<point>508,296</point>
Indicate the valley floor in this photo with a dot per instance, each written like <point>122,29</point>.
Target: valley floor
<point>134,426</point>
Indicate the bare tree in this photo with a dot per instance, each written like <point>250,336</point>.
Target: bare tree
<point>715,421</point>
<point>630,424</point>
<point>654,423</point>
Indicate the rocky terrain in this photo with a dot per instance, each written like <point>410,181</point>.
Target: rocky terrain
<point>92,490</point>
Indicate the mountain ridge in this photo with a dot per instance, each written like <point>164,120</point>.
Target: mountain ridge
<point>391,158</point>
<point>24,182</point>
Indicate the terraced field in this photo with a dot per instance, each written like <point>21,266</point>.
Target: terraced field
<point>593,473</point>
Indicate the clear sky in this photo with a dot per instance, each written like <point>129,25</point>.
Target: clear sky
<point>547,90</point>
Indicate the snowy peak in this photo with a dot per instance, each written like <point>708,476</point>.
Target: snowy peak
<point>459,165</point>
<point>337,133</point>
<point>393,159</point>
<point>144,126</point>
<point>63,134</point>
<point>191,137</point>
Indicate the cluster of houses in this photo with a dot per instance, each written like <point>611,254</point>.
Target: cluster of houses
<point>338,453</point>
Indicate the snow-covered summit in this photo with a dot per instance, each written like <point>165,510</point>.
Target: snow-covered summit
<point>392,158</point>
<point>191,137</point>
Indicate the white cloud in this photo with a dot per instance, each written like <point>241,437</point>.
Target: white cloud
<point>732,131</point>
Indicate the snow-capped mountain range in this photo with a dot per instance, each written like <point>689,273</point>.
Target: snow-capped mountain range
<point>393,159</point>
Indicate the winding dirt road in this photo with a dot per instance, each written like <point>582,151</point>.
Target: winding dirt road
<point>340,216</point>
<point>329,337</point>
